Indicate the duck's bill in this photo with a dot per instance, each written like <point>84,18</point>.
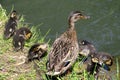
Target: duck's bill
<point>84,17</point>
<point>106,67</point>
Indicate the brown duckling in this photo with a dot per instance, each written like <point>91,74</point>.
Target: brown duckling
<point>65,48</point>
<point>94,58</point>
<point>86,48</point>
<point>103,58</point>
<point>21,35</point>
<point>25,32</point>
<point>37,51</point>
<point>11,25</point>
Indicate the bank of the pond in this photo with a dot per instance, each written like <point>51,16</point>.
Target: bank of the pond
<point>10,61</point>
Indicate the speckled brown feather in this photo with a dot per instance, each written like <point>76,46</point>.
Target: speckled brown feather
<point>65,50</point>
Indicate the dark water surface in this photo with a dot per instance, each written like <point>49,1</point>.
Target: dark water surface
<point>102,29</point>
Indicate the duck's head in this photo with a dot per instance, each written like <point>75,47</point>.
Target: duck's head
<point>76,15</point>
<point>13,14</point>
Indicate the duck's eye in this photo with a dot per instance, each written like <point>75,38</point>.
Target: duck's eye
<point>76,17</point>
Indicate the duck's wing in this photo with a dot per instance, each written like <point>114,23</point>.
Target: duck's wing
<point>62,55</point>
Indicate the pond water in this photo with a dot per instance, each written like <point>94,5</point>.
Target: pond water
<point>102,29</point>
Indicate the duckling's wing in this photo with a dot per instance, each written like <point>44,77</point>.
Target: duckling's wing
<point>62,55</point>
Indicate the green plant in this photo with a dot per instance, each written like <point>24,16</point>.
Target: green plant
<point>3,76</point>
<point>118,70</point>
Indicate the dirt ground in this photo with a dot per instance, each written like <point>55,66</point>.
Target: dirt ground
<point>12,64</point>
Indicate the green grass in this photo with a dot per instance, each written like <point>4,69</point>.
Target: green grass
<point>40,66</point>
<point>118,69</point>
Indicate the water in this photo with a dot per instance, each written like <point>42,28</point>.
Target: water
<point>102,29</point>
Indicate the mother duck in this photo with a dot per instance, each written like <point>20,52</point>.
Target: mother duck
<point>65,48</point>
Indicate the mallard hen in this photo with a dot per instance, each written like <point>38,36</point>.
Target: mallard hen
<point>65,48</point>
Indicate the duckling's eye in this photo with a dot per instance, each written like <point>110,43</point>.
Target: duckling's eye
<point>36,48</point>
<point>14,14</point>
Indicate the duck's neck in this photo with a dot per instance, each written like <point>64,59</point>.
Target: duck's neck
<point>71,25</point>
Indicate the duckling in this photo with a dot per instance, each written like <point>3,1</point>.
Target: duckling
<point>104,59</point>
<point>94,58</point>
<point>37,51</point>
<point>65,48</point>
<point>21,35</point>
<point>25,32</point>
<point>86,48</point>
<point>89,66</point>
<point>11,25</point>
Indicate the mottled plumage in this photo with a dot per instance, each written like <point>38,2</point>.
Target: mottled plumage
<point>65,48</point>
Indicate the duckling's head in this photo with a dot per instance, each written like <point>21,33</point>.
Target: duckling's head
<point>25,32</point>
<point>8,32</point>
<point>102,58</point>
<point>28,35</point>
<point>84,42</point>
<point>36,47</point>
<point>37,50</point>
<point>86,48</point>
<point>13,14</point>
<point>76,15</point>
